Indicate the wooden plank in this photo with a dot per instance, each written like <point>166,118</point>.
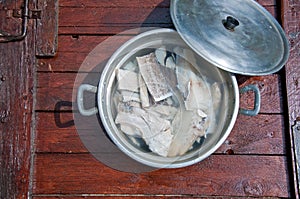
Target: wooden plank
<point>10,25</point>
<point>56,87</point>
<point>133,3</point>
<point>67,80</point>
<point>79,44</point>
<point>16,106</point>
<point>113,17</point>
<point>115,3</point>
<point>263,134</point>
<point>47,28</point>
<point>291,23</point>
<point>136,196</point>
<point>217,175</point>
<point>108,18</point>
<point>73,50</point>
<point>62,62</point>
<point>291,12</point>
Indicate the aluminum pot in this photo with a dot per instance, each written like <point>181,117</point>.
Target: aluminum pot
<point>223,117</point>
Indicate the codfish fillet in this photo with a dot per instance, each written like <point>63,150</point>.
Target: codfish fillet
<point>153,77</point>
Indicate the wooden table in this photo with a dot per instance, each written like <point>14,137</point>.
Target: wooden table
<point>42,155</point>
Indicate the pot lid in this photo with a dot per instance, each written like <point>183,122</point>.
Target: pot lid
<point>239,36</point>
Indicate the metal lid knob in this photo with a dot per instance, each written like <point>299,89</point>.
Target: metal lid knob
<point>230,23</point>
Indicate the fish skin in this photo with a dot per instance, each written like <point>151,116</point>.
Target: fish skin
<point>153,77</point>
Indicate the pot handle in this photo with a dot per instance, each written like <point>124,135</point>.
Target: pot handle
<point>257,100</point>
<point>82,110</point>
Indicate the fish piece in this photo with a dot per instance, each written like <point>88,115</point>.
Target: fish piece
<point>155,122</point>
<point>170,63</point>
<point>165,57</point>
<point>160,138</point>
<point>154,130</point>
<point>170,77</point>
<point>201,113</point>
<point>153,77</point>
<point>185,55</point>
<point>167,112</point>
<point>128,96</point>
<point>134,121</point>
<point>189,126</point>
<point>144,96</point>
<point>185,69</point>
<point>131,66</point>
<point>161,54</point>
<point>131,130</point>
<point>160,144</point>
<point>216,95</point>
<point>198,97</point>
<point>127,80</point>
<point>127,106</point>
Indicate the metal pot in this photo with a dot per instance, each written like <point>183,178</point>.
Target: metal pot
<point>224,116</point>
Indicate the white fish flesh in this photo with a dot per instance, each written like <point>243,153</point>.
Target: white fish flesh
<point>170,63</point>
<point>170,77</point>
<point>167,112</point>
<point>130,130</point>
<point>144,96</point>
<point>161,54</point>
<point>198,97</point>
<point>128,96</point>
<point>153,77</point>
<point>155,131</point>
<point>131,66</point>
<point>216,95</point>
<point>184,69</point>
<point>127,80</point>
<point>189,126</point>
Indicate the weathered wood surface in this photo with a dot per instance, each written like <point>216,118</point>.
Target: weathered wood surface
<point>16,106</point>
<point>10,25</point>
<point>47,28</point>
<point>291,22</point>
<point>291,12</point>
<point>81,173</point>
<point>73,50</point>
<point>253,161</point>
<point>131,196</point>
<point>97,17</point>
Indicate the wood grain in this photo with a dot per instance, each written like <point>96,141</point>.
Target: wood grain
<point>262,134</point>
<point>134,3</point>
<point>291,23</point>
<point>115,3</point>
<point>131,196</point>
<point>10,25</point>
<point>73,50</point>
<point>65,171</point>
<point>114,17</point>
<point>111,20</point>
<point>47,28</point>
<point>16,107</point>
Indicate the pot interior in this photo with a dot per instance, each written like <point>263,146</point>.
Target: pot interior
<point>222,112</point>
